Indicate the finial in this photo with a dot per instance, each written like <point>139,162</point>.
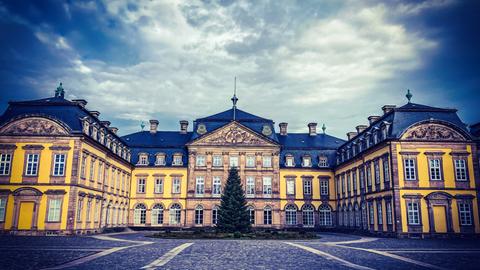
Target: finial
<point>409,95</point>
<point>234,98</point>
<point>60,92</point>
<point>324,128</point>
<point>142,125</point>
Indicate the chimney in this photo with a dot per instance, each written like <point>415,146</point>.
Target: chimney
<point>153,126</point>
<point>183,126</point>
<point>312,129</point>
<point>351,135</point>
<point>372,119</point>
<point>388,108</point>
<point>105,123</point>
<point>283,128</point>
<point>95,113</point>
<point>360,128</point>
<point>81,102</point>
<point>114,129</point>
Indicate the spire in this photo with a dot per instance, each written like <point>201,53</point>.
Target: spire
<point>409,95</point>
<point>324,128</point>
<point>234,98</point>
<point>59,92</point>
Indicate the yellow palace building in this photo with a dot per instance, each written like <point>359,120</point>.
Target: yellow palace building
<point>410,172</point>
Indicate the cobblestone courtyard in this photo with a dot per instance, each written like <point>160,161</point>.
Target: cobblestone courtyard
<point>332,251</point>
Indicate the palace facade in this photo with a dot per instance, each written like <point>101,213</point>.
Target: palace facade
<point>413,171</point>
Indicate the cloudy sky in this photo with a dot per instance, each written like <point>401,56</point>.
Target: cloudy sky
<point>325,61</point>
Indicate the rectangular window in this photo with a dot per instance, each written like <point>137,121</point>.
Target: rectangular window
<point>89,207</point>
<point>267,185</point>
<point>160,160</point>
<point>96,214</point>
<point>198,216</point>
<point>217,185</point>
<point>307,161</point>
<point>324,187</point>
<point>371,215</point>
<point>92,169</point>
<point>389,213</point>
<point>200,161</point>
<point>233,161</point>
<point>267,161</point>
<point>200,185</point>
<point>217,161</point>
<point>267,216</point>
<point>435,169</point>
<point>379,213</point>
<point>250,162</point>
<point>377,172</point>
<point>410,170</point>
<point>290,186</point>
<point>176,184</point>
<point>461,170</point>
<point>465,212</point>
<point>3,207</point>
<point>250,186</point>
<point>214,216</point>
<point>141,185</point>
<point>362,178</point>
<point>32,165</point>
<point>307,186</point>
<point>289,161</point>
<point>251,214</point>
<point>413,213</point>
<point>177,160</point>
<point>100,172</point>
<point>143,160</point>
<point>348,183</point>
<point>59,165</point>
<point>158,185</point>
<point>322,162</point>
<point>54,208</point>
<point>79,210</point>
<point>386,170</point>
<point>84,166</point>
<point>5,164</point>
<point>354,180</point>
<point>369,175</point>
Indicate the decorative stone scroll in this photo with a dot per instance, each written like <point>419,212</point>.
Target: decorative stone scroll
<point>33,126</point>
<point>233,134</point>
<point>432,132</point>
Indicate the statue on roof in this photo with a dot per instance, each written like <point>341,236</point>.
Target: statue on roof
<point>60,92</point>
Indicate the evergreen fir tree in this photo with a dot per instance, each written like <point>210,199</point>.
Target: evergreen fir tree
<point>233,214</point>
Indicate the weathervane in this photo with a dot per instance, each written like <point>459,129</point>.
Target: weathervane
<point>324,128</point>
<point>234,98</point>
<point>409,95</point>
<point>142,125</point>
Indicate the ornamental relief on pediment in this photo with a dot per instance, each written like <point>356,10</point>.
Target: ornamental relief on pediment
<point>232,135</point>
<point>33,126</point>
<point>433,132</point>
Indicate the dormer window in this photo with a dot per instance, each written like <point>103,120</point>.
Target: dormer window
<point>101,138</point>
<point>322,162</point>
<point>94,132</point>
<point>143,159</point>
<point>108,142</point>
<point>177,160</point>
<point>306,161</point>
<point>86,127</point>
<point>160,159</point>
<point>114,147</point>
<point>354,149</point>
<point>289,161</point>
<point>200,161</point>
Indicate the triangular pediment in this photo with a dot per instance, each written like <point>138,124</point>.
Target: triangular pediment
<point>233,134</point>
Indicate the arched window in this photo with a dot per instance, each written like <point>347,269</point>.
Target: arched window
<point>215,215</point>
<point>251,214</point>
<point>140,214</point>
<point>175,214</point>
<point>157,214</point>
<point>199,215</point>
<point>325,215</point>
<point>267,215</point>
<point>364,216</point>
<point>307,215</point>
<point>291,214</point>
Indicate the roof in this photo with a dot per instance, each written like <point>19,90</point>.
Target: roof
<point>305,141</point>
<point>228,116</point>
<point>160,139</point>
<point>420,107</point>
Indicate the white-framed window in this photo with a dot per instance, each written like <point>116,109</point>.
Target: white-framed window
<point>289,161</point>
<point>176,184</point>
<point>160,159</point>
<point>291,214</point>
<point>200,160</point>
<point>267,161</point>
<point>354,180</point>
<point>217,161</point>
<point>369,175</point>
<point>177,160</point>
<point>54,208</point>
<point>158,185</point>
<point>290,186</point>
<point>215,215</point>
<point>376,166</point>
<point>461,170</point>
<point>100,172</point>
<point>233,161</point>
<point>267,215</point>
<point>157,214</point>
<point>250,186</point>
<point>324,187</point>
<point>250,161</point>
<point>410,169</point>
<point>83,169</point>
<point>141,185</point>
<point>251,214</point>
<point>306,161</point>
<point>307,215</point>
<point>267,185</point>
<point>59,164</point>
<point>79,210</point>
<point>32,164</point>
<point>88,210</point>
<point>371,213</point>
<point>361,178</point>
<point>200,185</point>
<point>389,213</point>
<point>386,170</point>
<point>92,168</point>
<point>140,214</point>
<point>322,162</point>
<point>199,215</point>
<point>5,164</point>
<point>175,214</point>
<point>413,213</point>
<point>307,186</point>
<point>325,215</point>
<point>379,213</point>
<point>465,212</point>
<point>143,159</point>
<point>435,169</point>
<point>217,185</point>
<point>96,214</point>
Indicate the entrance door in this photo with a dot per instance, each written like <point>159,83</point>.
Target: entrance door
<point>25,216</point>
<point>440,217</point>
